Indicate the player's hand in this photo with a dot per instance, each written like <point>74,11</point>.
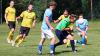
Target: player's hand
<point>33,25</point>
<point>6,22</point>
<point>55,21</point>
<point>18,17</point>
<point>52,28</point>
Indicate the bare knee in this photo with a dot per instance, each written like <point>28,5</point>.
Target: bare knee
<point>12,29</point>
<point>42,41</point>
<point>70,37</point>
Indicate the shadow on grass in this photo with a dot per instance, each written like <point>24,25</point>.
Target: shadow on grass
<point>88,44</point>
<point>66,51</point>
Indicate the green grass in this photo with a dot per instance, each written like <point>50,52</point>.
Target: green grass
<point>29,46</point>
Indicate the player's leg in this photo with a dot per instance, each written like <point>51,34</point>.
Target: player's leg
<point>83,39</point>
<point>67,42</point>
<point>71,38</point>
<point>11,33</point>
<point>21,39</point>
<point>60,37</point>
<point>51,36</point>
<point>24,34</point>
<point>43,36</point>
<point>20,36</point>
<point>86,39</point>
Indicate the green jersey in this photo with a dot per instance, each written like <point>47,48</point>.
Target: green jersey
<point>63,24</point>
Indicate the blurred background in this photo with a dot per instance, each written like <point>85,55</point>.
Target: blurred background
<point>90,8</point>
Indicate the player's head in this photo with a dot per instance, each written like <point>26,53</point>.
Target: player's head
<point>30,7</point>
<point>65,13</point>
<point>52,5</point>
<point>11,3</point>
<point>72,18</point>
<point>80,16</point>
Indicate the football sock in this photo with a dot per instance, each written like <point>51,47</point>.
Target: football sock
<point>72,45</point>
<point>17,38</point>
<point>51,48</point>
<point>10,35</point>
<point>20,41</point>
<point>39,48</point>
<point>68,43</point>
<point>83,40</point>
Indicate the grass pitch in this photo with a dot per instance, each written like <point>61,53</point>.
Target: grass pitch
<point>29,46</point>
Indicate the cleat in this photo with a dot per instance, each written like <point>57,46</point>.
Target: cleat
<point>13,43</point>
<point>8,41</point>
<point>75,51</point>
<point>16,45</point>
<point>52,54</point>
<point>39,52</point>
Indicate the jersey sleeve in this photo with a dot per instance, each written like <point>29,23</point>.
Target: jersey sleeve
<point>86,22</point>
<point>7,10</point>
<point>76,23</point>
<point>22,14</point>
<point>60,18</point>
<point>47,13</point>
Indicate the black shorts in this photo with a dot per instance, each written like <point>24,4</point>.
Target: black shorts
<point>61,35</point>
<point>11,24</point>
<point>24,30</point>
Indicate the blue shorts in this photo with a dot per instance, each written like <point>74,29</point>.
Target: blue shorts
<point>61,35</point>
<point>24,30</point>
<point>11,24</point>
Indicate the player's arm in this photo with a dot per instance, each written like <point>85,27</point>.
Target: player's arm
<point>58,20</point>
<point>87,28</point>
<point>21,15</point>
<point>68,28</point>
<point>48,23</point>
<point>87,25</point>
<point>78,29</point>
<point>34,21</point>
<point>6,13</point>
<point>6,18</point>
<point>76,26</point>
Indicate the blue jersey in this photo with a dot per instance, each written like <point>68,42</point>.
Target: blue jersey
<point>83,25</point>
<point>48,13</point>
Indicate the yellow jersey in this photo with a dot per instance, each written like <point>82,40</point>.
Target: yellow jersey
<point>28,18</point>
<point>62,17</point>
<point>10,11</point>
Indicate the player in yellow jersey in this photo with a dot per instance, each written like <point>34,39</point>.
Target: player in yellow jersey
<point>29,18</point>
<point>10,20</point>
<point>64,15</point>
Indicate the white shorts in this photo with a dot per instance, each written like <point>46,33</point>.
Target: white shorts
<point>47,33</point>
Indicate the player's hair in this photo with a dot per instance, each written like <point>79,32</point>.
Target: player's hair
<point>81,15</point>
<point>72,15</point>
<point>11,1</point>
<point>52,3</point>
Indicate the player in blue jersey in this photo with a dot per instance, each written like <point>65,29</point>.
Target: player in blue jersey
<point>47,28</point>
<point>82,27</point>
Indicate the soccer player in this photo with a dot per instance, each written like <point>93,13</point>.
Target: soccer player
<point>47,28</point>
<point>65,15</point>
<point>29,18</point>
<point>82,27</point>
<point>62,30</point>
<point>10,20</point>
